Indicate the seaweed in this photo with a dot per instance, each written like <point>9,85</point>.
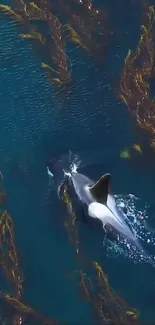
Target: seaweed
<point>13,309</point>
<point>90,25</point>
<point>86,28</point>
<point>137,74</point>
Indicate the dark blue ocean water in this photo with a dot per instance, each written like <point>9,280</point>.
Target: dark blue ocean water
<point>37,124</point>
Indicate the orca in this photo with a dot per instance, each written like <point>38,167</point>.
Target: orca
<point>101,204</point>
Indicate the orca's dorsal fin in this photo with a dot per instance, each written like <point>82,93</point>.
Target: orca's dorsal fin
<point>101,189</point>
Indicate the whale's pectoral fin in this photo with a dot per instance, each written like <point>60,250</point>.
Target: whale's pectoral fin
<point>101,188</point>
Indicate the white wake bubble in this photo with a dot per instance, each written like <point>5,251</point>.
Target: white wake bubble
<point>74,164</point>
<point>74,168</point>
<point>138,219</point>
<point>68,174</point>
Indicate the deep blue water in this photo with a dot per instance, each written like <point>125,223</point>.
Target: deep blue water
<point>36,124</point>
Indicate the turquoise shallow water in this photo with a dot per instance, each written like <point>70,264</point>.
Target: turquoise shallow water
<point>36,125</point>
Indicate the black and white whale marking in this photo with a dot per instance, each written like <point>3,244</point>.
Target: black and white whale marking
<point>101,205</point>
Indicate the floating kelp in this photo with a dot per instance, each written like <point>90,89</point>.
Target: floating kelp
<point>21,13</point>
<point>138,148</point>
<point>35,13</point>
<point>54,45</point>
<point>88,23</point>
<point>85,26</point>
<point>12,308</point>
<point>94,283</point>
<point>110,308</point>
<point>71,223</point>
<point>127,153</point>
<point>137,74</point>
<point>8,254</point>
<point>21,8</point>
<point>51,71</point>
<point>34,35</point>
<point>74,37</point>
<point>57,48</point>
<point>46,66</point>
<point>45,5</point>
<point>9,11</point>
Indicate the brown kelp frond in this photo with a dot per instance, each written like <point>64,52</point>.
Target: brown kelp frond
<point>71,223</point>
<point>20,306</point>
<point>148,14</point>
<point>55,80</point>
<point>57,49</point>
<point>35,13</point>
<point>34,35</point>
<point>19,313</point>
<point>73,36</point>
<point>34,5</point>
<point>8,254</point>
<point>137,74</point>
<point>137,148</point>
<point>90,25</point>
<point>132,152</point>
<point>20,7</point>
<point>46,66</point>
<point>87,29</point>
<point>108,306</point>
<point>58,82</point>
<point>13,310</point>
<point>9,11</point>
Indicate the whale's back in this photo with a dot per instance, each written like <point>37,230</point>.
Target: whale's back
<point>81,185</point>
<point>102,205</point>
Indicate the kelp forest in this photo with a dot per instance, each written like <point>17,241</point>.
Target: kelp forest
<point>138,76</point>
<point>83,25</point>
<point>50,26</point>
